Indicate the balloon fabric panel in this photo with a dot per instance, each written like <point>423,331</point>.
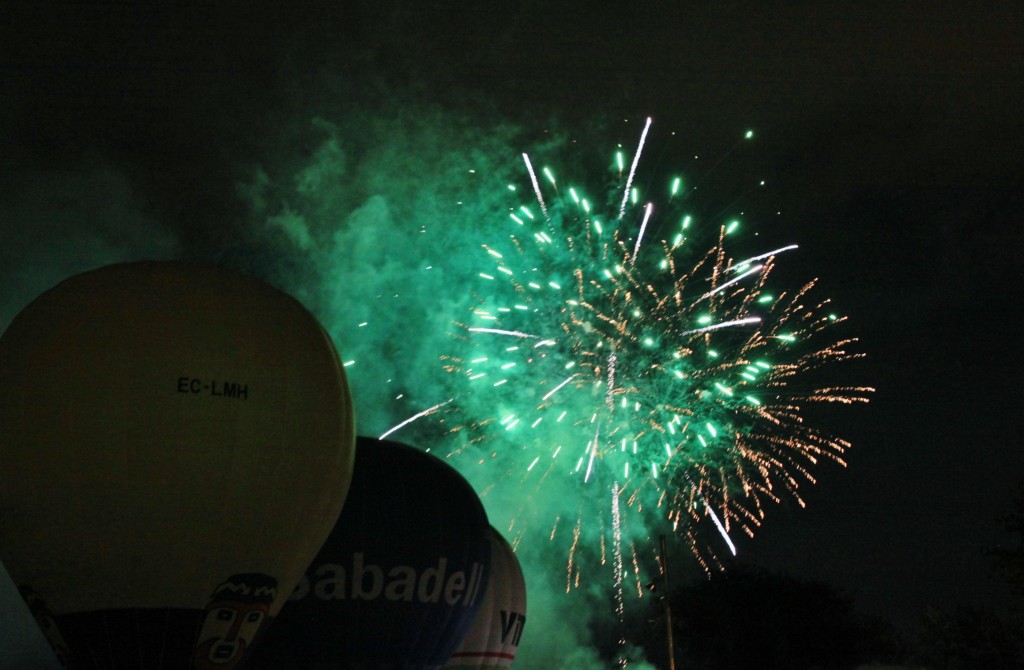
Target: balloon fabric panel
<point>176,442</point>
<point>399,580</point>
<point>493,638</point>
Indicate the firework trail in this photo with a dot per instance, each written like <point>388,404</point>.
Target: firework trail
<point>622,348</point>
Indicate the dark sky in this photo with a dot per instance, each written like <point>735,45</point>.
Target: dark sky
<point>891,132</point>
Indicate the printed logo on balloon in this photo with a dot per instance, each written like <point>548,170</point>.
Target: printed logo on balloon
<point>237,609</point>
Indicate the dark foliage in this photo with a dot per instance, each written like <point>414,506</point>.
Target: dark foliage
<point>969,639</point>
<point>753,619</point>
<point>1009,558</point>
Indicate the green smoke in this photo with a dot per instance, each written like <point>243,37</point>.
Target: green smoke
<point>57,223</point>
<point>370,231</point>
<point>376,222</point>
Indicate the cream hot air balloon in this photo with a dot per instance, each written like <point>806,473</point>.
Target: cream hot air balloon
<point>493,637</point>
<point>176,442</point>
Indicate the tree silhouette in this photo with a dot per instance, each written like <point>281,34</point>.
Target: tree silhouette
<point>969,639</point>
<point>749,618</point>
<point>1009,560</point>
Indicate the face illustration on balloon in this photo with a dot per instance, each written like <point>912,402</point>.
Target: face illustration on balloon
<point>237,609</point>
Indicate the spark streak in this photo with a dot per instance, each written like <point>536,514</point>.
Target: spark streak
<point>632,168</point>
<point>721,528</point>
<point>498,331</point>
<point>426,412</point>
<point>640,235</point>
<point>724,324</point>
<point>536,184</point>
<point>558,388</point>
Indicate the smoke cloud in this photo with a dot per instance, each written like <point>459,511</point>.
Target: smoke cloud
<point>58,223</point>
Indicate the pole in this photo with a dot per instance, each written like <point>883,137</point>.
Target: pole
<point>668,606</point>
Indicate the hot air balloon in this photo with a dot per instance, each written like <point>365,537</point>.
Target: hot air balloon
<point>493,639</point>
<point>400,578</point>
<point>176,442</point>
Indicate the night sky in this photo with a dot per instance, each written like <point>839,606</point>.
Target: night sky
<point>890,134</point>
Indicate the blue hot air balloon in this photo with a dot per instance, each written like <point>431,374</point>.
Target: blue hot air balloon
<point>400,578</point>
<point>176,442</point>
<point>493,639</point>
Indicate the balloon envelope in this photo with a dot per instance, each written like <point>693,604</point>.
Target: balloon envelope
<point>493,639</point>
<point>176,442</point>
<point>400,578</point>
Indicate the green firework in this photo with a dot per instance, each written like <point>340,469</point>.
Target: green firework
<point>661,364</point>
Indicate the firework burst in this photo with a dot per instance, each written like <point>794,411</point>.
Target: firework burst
<point>615,356</point>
